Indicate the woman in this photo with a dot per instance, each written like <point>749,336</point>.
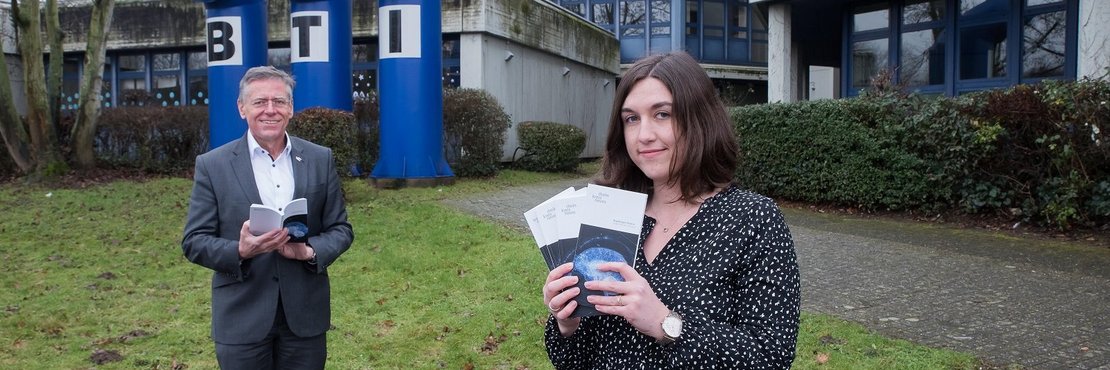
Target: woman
<point>715,284</point>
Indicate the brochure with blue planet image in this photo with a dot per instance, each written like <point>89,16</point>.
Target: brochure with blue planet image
<point>596,246</point>
<point>588,227</point>
<point>293,216</point>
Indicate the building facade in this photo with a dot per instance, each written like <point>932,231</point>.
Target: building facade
<point>557,60</point>
<point>943,47</point>
<point>561,69</point>
<point>728,37</point>
<point>810,49</point>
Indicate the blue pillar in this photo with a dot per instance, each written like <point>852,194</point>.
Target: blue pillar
<point>320,49</point>
<point>236,38</point>
<point>410,91</point>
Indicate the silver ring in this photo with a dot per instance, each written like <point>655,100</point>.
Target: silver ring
<point>619,303</point>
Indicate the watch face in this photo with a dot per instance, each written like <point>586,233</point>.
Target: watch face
<point>672,326</point>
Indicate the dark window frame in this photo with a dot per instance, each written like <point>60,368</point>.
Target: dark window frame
<point>954,23</point>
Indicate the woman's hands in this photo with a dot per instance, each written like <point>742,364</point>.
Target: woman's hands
<point>560,300</point>
<point>635,301</point>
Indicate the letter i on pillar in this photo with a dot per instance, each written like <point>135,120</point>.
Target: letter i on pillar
<point>410,91</point>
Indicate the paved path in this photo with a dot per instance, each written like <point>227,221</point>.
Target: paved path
<point>1040,304</point>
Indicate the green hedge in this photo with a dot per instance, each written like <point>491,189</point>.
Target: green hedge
<point>823,152</point>
<point>152,139</point>
<point>1051,157</point>
<point>474,126</point>
<point>332,128</point>
<point>1039,153</point>
<point>550,146</point>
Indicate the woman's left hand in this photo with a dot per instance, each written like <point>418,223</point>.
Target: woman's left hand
<point>635,300</point>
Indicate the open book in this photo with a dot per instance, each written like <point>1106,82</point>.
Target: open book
<point>293,216</point>
<point>588,227</point>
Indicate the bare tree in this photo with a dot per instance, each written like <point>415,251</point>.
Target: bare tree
<point>12,130</point>
<point>33,142</point>
<point>88,108</point>
<point>55,36</point>
<point>45,152</point>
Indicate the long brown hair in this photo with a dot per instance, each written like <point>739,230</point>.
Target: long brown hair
<point>707,152</point>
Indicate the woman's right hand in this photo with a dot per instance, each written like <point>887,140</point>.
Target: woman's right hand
<point>560,300</point>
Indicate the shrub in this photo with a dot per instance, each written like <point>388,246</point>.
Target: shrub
<point>1051,153</point>
<point>474,126</point>
<point>153,139</point>
<point>826,151</point>
<point>550,146</point>
<point>331,128</point>
<point>367,119</point>
<point>1037,151</point>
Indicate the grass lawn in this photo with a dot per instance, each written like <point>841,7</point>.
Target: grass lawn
<point>97,274</point>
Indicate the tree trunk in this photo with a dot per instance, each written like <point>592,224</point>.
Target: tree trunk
<point>12,130</point>
<point>54,36</point>
<point>88,109</point>
<point>44,151</point>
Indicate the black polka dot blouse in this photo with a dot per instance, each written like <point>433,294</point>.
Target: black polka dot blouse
<point>730,272</point>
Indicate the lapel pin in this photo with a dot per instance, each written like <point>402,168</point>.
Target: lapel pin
<point>298,159</point>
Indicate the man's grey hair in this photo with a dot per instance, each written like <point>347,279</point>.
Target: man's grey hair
<point>265,73</point>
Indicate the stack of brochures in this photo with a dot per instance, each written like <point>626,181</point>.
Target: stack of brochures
<point>588,227</point>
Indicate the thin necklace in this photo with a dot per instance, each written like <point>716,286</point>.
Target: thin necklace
<point>667,229</point>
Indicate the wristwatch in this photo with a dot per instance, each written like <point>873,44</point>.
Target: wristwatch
<point>672,328</point>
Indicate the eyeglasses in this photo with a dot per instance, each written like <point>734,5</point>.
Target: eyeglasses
<point>278,103</point>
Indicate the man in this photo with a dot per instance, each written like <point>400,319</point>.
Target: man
<point>270,298</point>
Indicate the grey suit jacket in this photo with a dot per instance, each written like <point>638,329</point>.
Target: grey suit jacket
<point>245,293</point>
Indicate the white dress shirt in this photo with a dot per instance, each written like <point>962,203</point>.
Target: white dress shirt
<point>272,173</point>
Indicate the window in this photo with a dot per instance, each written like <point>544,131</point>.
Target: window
<point>956,46</point>
<point>868,59</point>
<point>759,35</point>
<point>106,88</point>
<point>983,39</point>
<point>1044,45</point>
<point>603,15</point>
<point>71,82</point>
<point>197,75</point>
<point>692,18</point>
<point>870,44</point>
<point>166,70</point>
<point>660,18</point>
<point>871,18</point>
<point>922,45</point>
<point>713,22</point>
<point>738,21</point>
<point>633,14</point>
<point>575,6</point>
<point>364,63</point>
<point>967,6</point>
<point>759,52</point>
<point>279,58</point>
<point>451,76</point>
<point>983,51</point>
<point>923,11</point>
<point>922,58</point>
<point>132,80</point>
<point>451,71</point>
<point>132,63</point>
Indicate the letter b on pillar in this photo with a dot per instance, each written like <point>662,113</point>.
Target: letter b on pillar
<point>236,38</point>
